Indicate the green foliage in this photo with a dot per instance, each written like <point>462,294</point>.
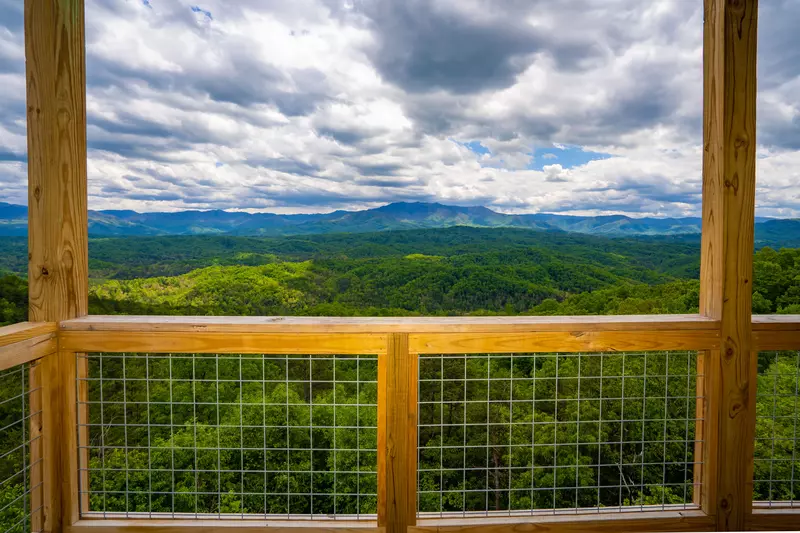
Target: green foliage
<point>167,459</point>
<point>13,300</point>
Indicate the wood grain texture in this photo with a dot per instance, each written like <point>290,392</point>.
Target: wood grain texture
<point>51,392</point>
<point>57,201</point>
<point>38,487</point>
<point>381,462</point>
<point>400,416</point>
<point>566,341</point>
<point>57,223</point>
<point>776,332</point>
<point>729,161</point>
<point>26,351</point>
<point>774,520</point>
<point>232,525</point>
<point>193,342</point>
<point>24,331</point>
<point>776,340</point>
<point>610,522</point>
<point>776,322</point>
<point>283,324</point>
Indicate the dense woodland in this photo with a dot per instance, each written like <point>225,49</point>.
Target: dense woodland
<point>230,434</point>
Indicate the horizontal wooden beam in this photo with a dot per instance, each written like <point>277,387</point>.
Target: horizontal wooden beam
<point>24,331</point>
<point>600,522</point>
<point>565,341</point>
<point>773,519</point>
<point>28,350</point>
<point>216,342</point>
<point>776,322</point>
<point>286,324</point>
<point>228,525</point>
<point>776,332</point>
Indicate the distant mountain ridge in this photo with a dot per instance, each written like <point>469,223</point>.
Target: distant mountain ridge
<point>394,216</point>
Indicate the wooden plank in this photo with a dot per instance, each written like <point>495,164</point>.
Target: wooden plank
<point>411,430</point>
<point>193,342</point>
<point>611,522</point>
<point>282,324</point>
<point>57,201</point>
<point>232,525</point>
<point>774,520</point>
<point>400,416</point>
<point>776,332</point>
<point>28,350</point>
<point>24,331</point>
<point>776,322</point>
<point>37,485</point>
<point>57,222</point>
<point>545,342</point>
<point>776,340</point>
<point>707,430</point>
<point>727,245</point>
<point>381,463</point>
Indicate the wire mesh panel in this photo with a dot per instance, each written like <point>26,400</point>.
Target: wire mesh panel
<point>777,462</point>
<point>231,435</point>
<point>20,452</point>
<point>566,433</point>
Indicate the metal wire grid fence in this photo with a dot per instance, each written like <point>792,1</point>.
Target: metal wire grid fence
<point>251,436</point>
<point>777,461</point>
<point>20,464</point>
<point>519,434</point>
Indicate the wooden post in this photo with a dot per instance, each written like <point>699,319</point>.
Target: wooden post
<point>57,226</point>
<point>397,442</point>
<point>729,123</point>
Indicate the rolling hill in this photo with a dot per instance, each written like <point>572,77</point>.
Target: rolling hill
<point>395,216</point>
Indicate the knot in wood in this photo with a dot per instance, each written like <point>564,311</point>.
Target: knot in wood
<point>45,272</point>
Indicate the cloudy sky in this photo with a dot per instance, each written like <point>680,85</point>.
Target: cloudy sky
<point>580,106</point>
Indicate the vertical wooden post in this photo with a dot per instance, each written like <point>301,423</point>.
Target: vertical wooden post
<point>57,226</point>
<point>729,161</point>
<point>36,450</point>
<point>397,442</point>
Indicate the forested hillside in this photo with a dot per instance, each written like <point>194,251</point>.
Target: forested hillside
<point>262,407</point>
<point>453,271</point>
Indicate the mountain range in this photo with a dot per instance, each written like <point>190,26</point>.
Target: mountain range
<point>395,216</point>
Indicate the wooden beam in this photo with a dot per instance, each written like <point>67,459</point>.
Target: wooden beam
<point>729,130</point>
<point>380,325</point>
<point>24,331</point>
<point>37,486</point>
<point>398,412</point>
<point>57,223</point>
<point>232,525</point>
<point>611,522</point>
<point>564,341</point>
<point>776,332</point>
<point>194,342</point>
<point>27,351</point>
<point>774,520</point>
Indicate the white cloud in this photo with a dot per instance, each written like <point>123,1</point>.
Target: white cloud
<point>314,105</point>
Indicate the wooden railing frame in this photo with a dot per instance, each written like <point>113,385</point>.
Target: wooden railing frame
<point>397,342</point>
<point>726,334</point>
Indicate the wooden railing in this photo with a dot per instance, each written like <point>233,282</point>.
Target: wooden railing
<point>398,343</point>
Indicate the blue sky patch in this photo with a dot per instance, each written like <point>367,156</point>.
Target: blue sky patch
<point>568,156</point>
<point>477,148</point>
<point>198,9</point>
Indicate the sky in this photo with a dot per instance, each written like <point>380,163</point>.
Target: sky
<point>574,106</point>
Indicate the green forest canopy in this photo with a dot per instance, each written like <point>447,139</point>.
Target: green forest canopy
<point>230,434</point>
